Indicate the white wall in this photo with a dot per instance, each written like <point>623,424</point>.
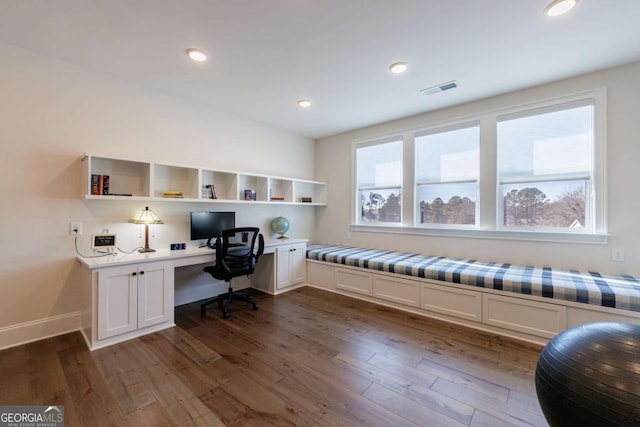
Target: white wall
<point>53,112</point>
<point>334,157</point>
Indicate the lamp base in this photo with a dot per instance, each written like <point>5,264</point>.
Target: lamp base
<point>282,236</point>
<point>143,250</point>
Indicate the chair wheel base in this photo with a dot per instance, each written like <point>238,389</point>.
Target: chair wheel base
<point>224,300</point>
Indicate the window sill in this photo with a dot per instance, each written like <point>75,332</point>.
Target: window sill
<point>533,236</point>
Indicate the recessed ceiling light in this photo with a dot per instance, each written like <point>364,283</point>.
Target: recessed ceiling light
<point>559,7</point>
<point>196,55</point>
<point>304,103</point>
<point>398,67</point>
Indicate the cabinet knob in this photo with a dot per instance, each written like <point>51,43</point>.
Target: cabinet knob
<point>142,272</point>
<point>134,274</point>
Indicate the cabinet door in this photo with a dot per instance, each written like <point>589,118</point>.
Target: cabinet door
<point>283,267</point>
<point>298,264</point>
<point>155,293</point>
<point>117,301</point>
<point>290,265</point>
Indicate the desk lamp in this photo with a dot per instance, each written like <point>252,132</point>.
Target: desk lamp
<point>146,217</point>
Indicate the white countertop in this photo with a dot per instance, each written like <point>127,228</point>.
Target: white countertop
<point>167,254</point>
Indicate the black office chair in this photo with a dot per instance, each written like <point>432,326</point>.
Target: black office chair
<point>234,257</point>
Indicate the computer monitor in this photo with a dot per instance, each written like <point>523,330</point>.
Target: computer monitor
<point>209,225</point>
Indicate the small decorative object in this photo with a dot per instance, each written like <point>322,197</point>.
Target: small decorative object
<point>210,192</point>
<point>146,217</point>
<point>249,194</point>
<point>213,192</point>
<point>588,376</point>
<point>306,199</point>
<point>280,226</point>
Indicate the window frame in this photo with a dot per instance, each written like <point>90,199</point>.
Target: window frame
<point>356,217</point>
<point>595,196</point>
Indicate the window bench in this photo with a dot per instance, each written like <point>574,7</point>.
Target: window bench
<point>523,302</point>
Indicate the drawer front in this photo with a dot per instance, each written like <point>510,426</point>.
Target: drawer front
<point>531,317</point>
<point>405,292</point>
<point>354,281</point>
<point>451,301</point>
<point>321,275</point>
<point>578,316</point>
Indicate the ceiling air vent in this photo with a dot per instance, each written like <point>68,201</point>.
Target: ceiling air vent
<point>440,88</point>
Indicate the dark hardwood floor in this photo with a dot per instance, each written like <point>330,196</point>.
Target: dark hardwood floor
<point>307,357</point>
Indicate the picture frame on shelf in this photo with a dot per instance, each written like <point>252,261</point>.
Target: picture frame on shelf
<point>250,194</point>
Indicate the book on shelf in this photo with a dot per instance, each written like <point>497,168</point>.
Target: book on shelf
<point>172,194</point>
<point>306,199</point>
<point>249,194</point>
<point>277,199</point>
<point>99,185</point>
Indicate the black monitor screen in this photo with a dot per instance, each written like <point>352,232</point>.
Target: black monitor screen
<point>209,225</point>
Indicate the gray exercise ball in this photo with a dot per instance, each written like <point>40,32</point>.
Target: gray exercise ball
<point>589,375</point>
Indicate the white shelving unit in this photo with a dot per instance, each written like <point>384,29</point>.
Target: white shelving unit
<point>148,180</point>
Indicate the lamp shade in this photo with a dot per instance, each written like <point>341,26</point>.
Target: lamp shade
<point>146,216</point>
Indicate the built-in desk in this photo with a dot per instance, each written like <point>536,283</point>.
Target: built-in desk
<point>130,295</point>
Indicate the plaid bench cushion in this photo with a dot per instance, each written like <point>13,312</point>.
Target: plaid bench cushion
<point>621,291</point>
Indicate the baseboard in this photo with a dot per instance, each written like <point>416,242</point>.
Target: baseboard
<point>23,333</point>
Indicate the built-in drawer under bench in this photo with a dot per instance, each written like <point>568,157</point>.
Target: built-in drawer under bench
<point>534,302</point>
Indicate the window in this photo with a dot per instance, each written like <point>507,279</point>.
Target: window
<point>531,172</point>
<point>447,171</point>
<point>545,168</point>
<point>379,182</point>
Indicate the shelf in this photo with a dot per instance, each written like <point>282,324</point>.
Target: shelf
<point>253,183</point>
<point>124,176</point>
<point>140,180</point>
<point>280,190</point>
<point>176,179</point>
<point>224,185</point>
<point>314,192</point>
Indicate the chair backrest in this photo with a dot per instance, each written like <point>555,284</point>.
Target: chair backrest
<point>236,252</point>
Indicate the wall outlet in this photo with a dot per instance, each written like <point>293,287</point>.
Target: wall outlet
<point>617,255</point>
<point>75,228</point>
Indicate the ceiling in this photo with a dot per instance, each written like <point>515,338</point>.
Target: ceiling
<point>264,55</point>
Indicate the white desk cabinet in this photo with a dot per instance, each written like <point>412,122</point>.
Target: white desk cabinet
<point>134,297</point>
<point>129,301</point>
<point>290,265</point>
